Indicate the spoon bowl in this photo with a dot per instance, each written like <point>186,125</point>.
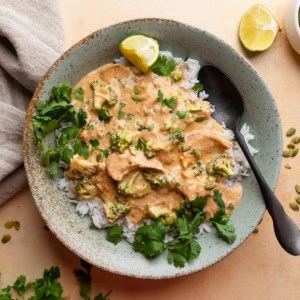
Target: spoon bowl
<point>229,109</point>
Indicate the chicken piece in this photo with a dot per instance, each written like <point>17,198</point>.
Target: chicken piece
<point>106,185</point>
<point>119,165</point>
<point>114,71</point>
<point>210,143</point>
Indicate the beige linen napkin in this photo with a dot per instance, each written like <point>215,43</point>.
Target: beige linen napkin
<point>31,39</point>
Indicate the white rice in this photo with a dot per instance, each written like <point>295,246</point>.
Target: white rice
<point>94,207</point>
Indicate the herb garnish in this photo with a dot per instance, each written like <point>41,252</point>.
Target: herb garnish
<point>122,114</point>
<point>150,240</point>
<point>104,115</point>
<point>143,146</point>
<point>164,66</point>
<point>170,102</point>
<point>177,136</point>
<point>78,93</point>
<point>84,279</point>
<point>181,114</point>
<point>114,234</point>
<point>198,87</point>
<point>50,115</point>
<point>141,126</point>
<point>45,288</point>
<point>220,219</point>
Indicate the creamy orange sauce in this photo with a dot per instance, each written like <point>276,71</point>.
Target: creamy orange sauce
<point>178,166</point>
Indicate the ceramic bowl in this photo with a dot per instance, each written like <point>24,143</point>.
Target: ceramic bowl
<point>184,41</point>
<point>292,24</point>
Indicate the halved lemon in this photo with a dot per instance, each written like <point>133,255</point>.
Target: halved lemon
<point>258,29</point>
<point>142,51</point>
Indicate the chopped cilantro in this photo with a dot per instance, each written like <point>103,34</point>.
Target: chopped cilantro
<point>49,116</point>
<point>181,114</point>
<point>114,234</point>
<point>143,146</point>
<point>177,136</point>
<point>122,114</point>
<point>94,143</point>
<point>141,127</point>
<point>226,232</point>
<point>150,240</point>
<point>104,115</point>
<point>198,87</point>
<point>78,93</point>
<point>84,279</point>
<point>169,102</point>
<point>164,66</point>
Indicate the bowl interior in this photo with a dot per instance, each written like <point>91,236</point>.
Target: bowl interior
<point>184,41</point>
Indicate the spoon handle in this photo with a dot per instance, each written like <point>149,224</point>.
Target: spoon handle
<point>286,230</point>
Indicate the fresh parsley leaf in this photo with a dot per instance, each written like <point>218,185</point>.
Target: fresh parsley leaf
<point>139,145</point>
<point>78,93</point>
<point>122,105</point>
<point>104,152</point>
<point>164,66</point>
<point>226,232</point>
<point>94,143</point>
<point>121,115</point>
<point>104,115</point>
<point>141,127</point>
<point>81,119</point>
<point>181,114</point>
<point>198,203</point>
<point>81,148</point>
<point>149,239</point>
<point>48,287</point>
<point>217,197</point>
<point>66,155</point>
<point>84,279</point>
<point>114,234</point>
<point>177,136</point>
<point>169,102</point>
<point>198,87</point>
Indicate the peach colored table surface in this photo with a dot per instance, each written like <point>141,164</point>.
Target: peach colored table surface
<point>258,269</point>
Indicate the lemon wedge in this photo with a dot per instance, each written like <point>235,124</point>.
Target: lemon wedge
<point>258,29</point>
<point>142,51</point>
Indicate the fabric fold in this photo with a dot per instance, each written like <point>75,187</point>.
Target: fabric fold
<point>31,39</point>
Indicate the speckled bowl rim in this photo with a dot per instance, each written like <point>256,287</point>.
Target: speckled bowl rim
<point>27,130</point>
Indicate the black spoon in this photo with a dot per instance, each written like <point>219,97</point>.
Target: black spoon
<point>229,109</point>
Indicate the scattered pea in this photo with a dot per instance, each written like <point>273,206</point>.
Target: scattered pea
<point>287,153</point>
<point>210,185</point>
<point>291,146</point>
<point>136,90</point>
<point>294,206</point>
<point>255,230</point>
<point>295,152</point>
<point>295,140</point>
<point>297,200</point>
<point>291,131</point>
<point>186,147</point>
<point>297,188</point>
<point>6,238</point>
<point>138,98</point>
<point>287,166</point>
<point>9,224</point>
<point>17,225</point>
<point>197,153</point>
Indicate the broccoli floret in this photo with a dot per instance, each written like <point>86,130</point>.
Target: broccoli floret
<point>120,141</point>
<point>144,146</point>
<point>169,218</point>
<point>177,136</point>
<point>198,168</point>
<point>85,189</point>
<point>155,181</point>
<point>220,165</point>
<point>114,211</point>
<point>134,184</point>
<point>177,74</point>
